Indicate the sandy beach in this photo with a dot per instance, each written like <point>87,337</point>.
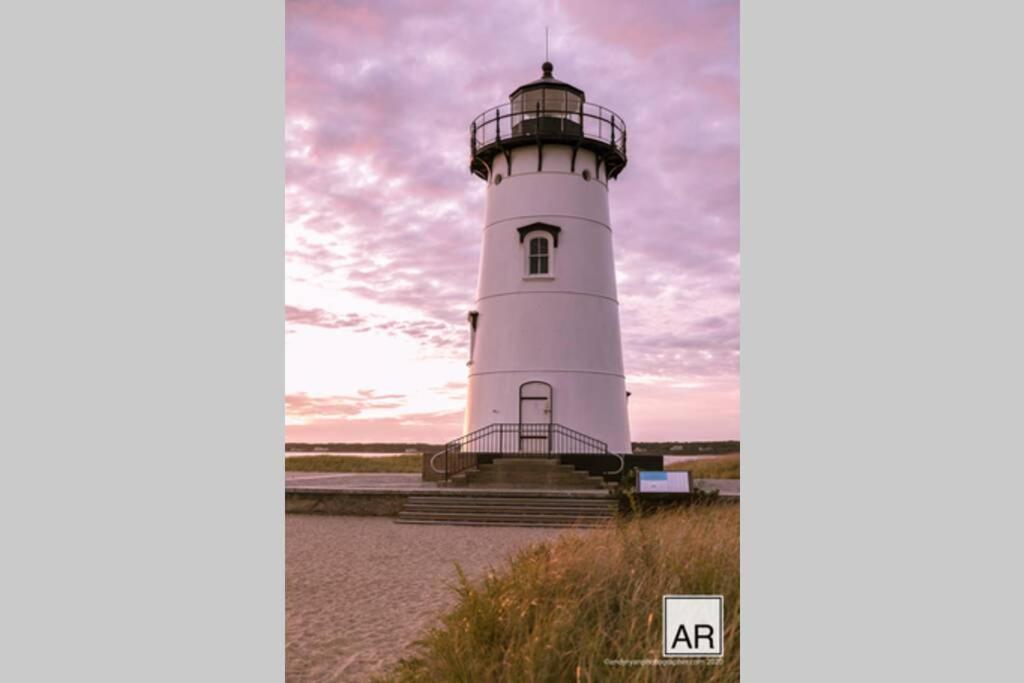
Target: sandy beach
<point>360,590</point>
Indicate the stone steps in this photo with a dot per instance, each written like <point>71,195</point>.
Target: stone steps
<point>533,473</point>
<point>507,507</point>
<point>558,525</point>
<point>508,510</point>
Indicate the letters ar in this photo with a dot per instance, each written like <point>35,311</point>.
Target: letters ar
<point>699,631</point>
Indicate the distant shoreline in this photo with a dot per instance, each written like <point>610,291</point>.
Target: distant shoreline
<point>667,448</point>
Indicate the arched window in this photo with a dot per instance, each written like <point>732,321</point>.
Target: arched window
<point>540,255</point>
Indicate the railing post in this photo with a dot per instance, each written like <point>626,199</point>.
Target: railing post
<point>446,463</point>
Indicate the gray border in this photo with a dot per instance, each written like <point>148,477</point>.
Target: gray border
<point>142,287</point>
<point>881,339</point>
<point>143,345</point>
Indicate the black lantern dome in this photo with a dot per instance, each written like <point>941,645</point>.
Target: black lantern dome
<point>547,81</point>
<point>547,111</point>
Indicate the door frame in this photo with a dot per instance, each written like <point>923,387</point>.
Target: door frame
<point>550,398</point>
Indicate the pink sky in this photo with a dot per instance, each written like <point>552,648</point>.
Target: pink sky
<point>383,217</point>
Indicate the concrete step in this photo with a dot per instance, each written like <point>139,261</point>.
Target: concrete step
<point>479,523</point>
<point>588,511</point>
<point>533,476</point>
<point>534,481</point>
<point>530,472</point>
<point>532,485</point>
<point>490,515</point>
<point>574,510</point>
<point>525,462</point>
<point>514,499</point>
<point>532,503</point>
<point>507,520</point>
<point>529,485</point>
<point>522,469</point>
<point>525,510</point>
<point>541,472</point>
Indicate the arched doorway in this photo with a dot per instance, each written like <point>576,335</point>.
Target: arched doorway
<point>535,417</point>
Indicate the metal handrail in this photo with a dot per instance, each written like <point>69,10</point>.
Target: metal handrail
<point>590,121</point>
<point>434,457</point>
<point>507,437</point>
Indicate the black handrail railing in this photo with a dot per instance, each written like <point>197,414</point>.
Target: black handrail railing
<point>591,121</point>
<point>520,439</point>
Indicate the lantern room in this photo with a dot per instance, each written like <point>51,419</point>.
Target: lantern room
<point>543,112</point>
<point>547,105</point>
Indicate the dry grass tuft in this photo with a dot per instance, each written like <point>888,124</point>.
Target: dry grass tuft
<point>562,608</point>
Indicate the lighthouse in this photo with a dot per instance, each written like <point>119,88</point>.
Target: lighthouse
<point>545,352</point>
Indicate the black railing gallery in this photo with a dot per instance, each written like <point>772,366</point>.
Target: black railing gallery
<point>507,122</point>
<point>518,439</point>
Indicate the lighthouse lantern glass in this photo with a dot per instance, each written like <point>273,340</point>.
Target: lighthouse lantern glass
<point>553,103</point>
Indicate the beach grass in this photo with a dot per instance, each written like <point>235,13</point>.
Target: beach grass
<point>717,467</point>
<point>354,463</point>
<point>565,606</point>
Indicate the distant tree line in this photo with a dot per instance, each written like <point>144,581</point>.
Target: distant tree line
<point>686,447</point>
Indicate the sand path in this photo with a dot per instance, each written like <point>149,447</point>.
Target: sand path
<point>360,590</point>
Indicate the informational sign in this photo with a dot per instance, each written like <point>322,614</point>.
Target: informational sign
<point>663,482</point>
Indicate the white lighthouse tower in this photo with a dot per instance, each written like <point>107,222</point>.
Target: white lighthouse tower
<point>545,349</point>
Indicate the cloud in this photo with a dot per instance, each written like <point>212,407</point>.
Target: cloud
<point>434,333</point>
<point>317,317</point>
<point>306,409</point>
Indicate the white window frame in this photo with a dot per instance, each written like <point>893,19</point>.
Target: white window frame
<point>547,237</point>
